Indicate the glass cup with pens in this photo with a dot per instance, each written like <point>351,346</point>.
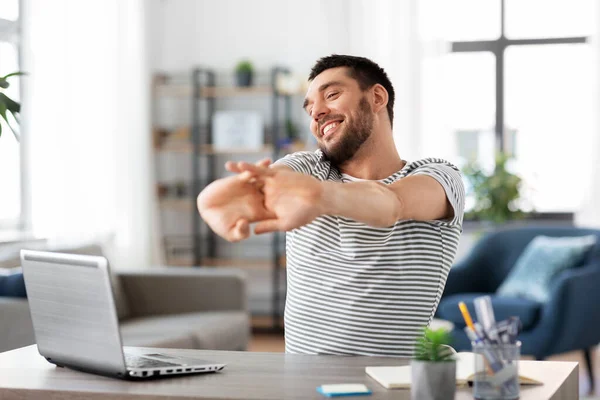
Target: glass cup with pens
<point>497,352</point>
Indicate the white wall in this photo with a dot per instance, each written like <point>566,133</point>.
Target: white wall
<point>220,33</point>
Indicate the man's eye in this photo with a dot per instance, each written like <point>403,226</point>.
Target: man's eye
<point>332,94</point>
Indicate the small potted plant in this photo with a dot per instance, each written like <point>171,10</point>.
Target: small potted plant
<point>243,73</point>
<point>433,367</point>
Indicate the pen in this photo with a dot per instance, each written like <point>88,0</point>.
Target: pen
<point>485,312</point>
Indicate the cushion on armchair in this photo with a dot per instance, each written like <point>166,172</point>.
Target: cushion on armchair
<point>528,311</point>
<point>543,259</point>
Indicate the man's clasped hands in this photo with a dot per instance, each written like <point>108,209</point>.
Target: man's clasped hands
<point>275,198</point>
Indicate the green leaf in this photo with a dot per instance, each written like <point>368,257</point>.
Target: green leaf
<point>6,104</point>
<point>3,83</point>
<point>2,114</point>
<point>11,105</point>
<point>3,109</point>
<point>433,346</point>
<point>13,74</point>
<point>496,194</point>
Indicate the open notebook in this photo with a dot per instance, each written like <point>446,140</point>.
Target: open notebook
<point>400,377</point>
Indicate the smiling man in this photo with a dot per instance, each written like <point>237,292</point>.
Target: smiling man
<point>370,236</point>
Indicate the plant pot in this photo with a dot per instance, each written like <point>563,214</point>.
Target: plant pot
<point>243,78</point>
<point>433,380</point>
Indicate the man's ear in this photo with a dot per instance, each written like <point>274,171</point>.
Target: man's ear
<point>380,97</point>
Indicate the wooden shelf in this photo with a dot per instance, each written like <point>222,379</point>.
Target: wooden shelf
<point>227,262</point>
<point>262,322</point>
<point>184,146</point>
<point>178,204</point>
<point>229,91</point>
<point>241,262</point>
<point>184,90</point>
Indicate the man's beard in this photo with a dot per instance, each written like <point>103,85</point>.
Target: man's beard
<point>357,131</point>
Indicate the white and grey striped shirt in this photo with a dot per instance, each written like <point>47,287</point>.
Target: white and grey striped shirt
<point>353,289</point>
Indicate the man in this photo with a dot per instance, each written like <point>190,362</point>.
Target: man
<point>370,237</point>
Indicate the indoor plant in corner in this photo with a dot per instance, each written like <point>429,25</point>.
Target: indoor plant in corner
<point>433,368</point>
<point>7,105</point>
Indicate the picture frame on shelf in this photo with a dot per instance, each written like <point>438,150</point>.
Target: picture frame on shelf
<point>237,130</point>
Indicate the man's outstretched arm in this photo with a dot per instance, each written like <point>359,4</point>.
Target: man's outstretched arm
<point>420,197</point>
<point>296,199</point>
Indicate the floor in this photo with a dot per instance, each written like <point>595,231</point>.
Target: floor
<point>275,343</point>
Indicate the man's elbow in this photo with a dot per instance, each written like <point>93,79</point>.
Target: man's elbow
<point>392,211</point>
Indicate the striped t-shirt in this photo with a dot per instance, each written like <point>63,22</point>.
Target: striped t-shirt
<point>353,289</point>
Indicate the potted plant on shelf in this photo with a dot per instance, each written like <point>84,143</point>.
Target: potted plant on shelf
<point>243,73</point>
<point>7,105</point>
<point>433,368</point>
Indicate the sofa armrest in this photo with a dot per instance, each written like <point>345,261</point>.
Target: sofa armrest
<point>569,319</point>
<point>16,328</point>
<point>170,290</point>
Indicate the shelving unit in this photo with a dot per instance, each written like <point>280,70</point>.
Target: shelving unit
<point>195,141</point>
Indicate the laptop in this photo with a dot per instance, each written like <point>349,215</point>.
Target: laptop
<point>75,320</point>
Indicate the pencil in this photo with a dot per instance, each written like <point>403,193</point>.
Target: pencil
<point>466,315</point>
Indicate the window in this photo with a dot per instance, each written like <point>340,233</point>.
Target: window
<point>10,168</point>
<point>519,79</point>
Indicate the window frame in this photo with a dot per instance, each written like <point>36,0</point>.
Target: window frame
<point>498,49</point>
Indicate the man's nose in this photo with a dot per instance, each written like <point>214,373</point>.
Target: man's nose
<point>319,111</point>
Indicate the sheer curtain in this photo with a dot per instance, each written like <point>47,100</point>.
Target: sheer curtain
<point>87,138</point>
<point>392,33</point>
<point>589,214</point>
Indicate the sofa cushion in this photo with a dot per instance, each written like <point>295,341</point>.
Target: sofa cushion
<point>219,330</point>
<point>12,285</point>
<point>16,328</point>
<point>528,311</point>
<point>542,260</point>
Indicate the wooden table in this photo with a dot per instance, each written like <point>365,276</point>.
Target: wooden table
<point>25,374</point>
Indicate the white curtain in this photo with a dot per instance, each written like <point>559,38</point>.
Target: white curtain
<point>385,31</point>
<point>589,214</point>
<point>400,36</point>
<point>87,135</point>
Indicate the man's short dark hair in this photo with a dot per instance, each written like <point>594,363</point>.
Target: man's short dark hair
<point>364,71</point>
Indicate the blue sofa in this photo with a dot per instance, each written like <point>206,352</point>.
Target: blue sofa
<point>569,321</point>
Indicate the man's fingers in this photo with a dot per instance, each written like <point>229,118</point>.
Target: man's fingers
<point>254,169</point>
<point>264,163</point>
<point>231,167</point>
<point>246,176</point>
<point>237,167</point>
<point>266,226</point>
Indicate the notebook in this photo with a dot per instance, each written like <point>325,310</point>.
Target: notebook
<point>400,377</point>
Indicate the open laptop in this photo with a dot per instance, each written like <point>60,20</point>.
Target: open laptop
<point>75,320</point>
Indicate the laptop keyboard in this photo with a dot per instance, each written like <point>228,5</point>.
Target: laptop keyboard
<point>133,361</point>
